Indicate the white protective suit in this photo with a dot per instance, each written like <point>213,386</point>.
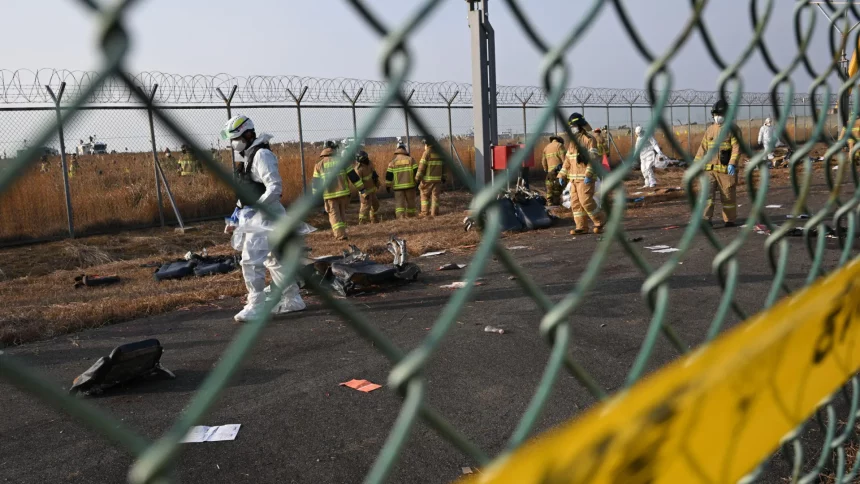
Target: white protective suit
<point>251,236</point>
<point>648,154</point>
<point>765,139</point>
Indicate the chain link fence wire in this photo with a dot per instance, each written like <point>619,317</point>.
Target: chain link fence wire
<point>155,458</point>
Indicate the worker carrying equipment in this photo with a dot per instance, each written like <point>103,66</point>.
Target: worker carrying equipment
<point>578,172</point>
<point>721,167</point>
<point>369,202</point>
<point>400,177</point>
<point>336,196</point>
<point>649,153</point>
<point>430,176</point>
<point>551,161</point>
<point>258,172</point>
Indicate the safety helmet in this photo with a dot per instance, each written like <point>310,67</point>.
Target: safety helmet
<point>362,157</point>
<point>236,127</point>
<point>576,119</point>
<point>720,108</point>
<point>559,139</point>
<point>638,130</point>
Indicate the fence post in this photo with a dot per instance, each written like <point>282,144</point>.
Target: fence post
<point>228,100</point>
<point>749,124</point>
<point>155,155</point>
<point>451,132</point>
<point>352,102</point>
<point>298,101</point>
<point>672,124</point>
<point>689,129</point>
<point>170,195</point>
<point>525,124</point>
<point>406,119</point>
<point>57,99</point>
<point>609,134</point>
<point>632,140</point>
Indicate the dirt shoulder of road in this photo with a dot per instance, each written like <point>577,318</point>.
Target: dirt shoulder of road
<point>36,281</point>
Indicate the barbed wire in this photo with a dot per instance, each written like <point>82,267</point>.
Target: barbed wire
<point>24,86</point>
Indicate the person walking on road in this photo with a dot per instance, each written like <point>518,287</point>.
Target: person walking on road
<point>578,172</point>
<point>336,196</point>
<point>551,161</point>
<point>649,153</point>
<point>430,176</point>
<point>258,172</point>
<point>400,177</point>
<point>369,202</point>
<point>722,167</point>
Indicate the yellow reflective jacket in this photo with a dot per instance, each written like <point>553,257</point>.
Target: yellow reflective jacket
<point>553,155</point>
<point>401,171</point>
<point>431,168</point>
<point>368,177</point>
<point>325,169</point>
<point>729,151</point>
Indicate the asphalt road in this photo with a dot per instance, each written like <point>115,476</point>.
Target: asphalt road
<point>298,425</point>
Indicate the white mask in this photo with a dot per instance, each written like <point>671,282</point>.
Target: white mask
<point>719,119</point>
<point>574,129</point>
<point>239,145</point>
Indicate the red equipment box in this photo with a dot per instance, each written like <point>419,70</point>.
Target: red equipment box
<point>502,154</point>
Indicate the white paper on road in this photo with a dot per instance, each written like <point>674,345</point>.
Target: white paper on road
<point>663,251</point>
<point>202,433</point>
<point>431,254</point>
<point>657,247</point>
<point>773,206</point>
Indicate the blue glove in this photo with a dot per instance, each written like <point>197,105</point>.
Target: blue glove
<point>562,182</point>
<point>732,170</point>
<point>587,181</point>
<point>235,216</point>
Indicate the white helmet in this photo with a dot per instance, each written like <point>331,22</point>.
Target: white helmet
<point>236,126</point>
<point>767,122</point>
<point>638,130</point>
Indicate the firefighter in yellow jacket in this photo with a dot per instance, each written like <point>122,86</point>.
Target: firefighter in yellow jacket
<point>369,203</point>
<point>722,167</point>
<point>579,173</point>
<point>336,196</point>
<point>552,161</point>
<point>855,135</point>
<point>431,176</point>
<point>400,177</point>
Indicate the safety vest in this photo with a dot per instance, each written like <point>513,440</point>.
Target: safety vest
<point>243,172</point>
<point>401,172</point>
<point>325,170</point>
<point>431,167</point>
<point>186,167</point>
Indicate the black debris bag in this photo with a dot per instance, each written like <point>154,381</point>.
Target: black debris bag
<point>197,266</point>
<point>353,272</point>
<point>522,209</point>
<point>124,364</point>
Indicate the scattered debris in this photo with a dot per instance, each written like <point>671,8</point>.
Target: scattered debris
<point>151,264</point>
<point>466,470</point>
<point>94,280</point>
<point>522,209</point>
<point>762,229</point>
<point>219,433</point>
<point>512,278</point>
<point>493,329</point>
<point>773,206</point>
<point>365,386</point>
<point>635,239</point>
<point>433,254</point>
<point>665,251</point>
<point>519,247</point>
<point>657,247</point>
<point>672,227</point>
<point>635,200</point>
<point>353,272</point>
<point>460,285</point>
<point>801,216</point>
<point>603,325</point>
<point>125,363</point>
<point>451,267</point>
<point>637,193</point>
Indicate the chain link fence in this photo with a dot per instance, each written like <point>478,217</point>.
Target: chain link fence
<point>132,175</point>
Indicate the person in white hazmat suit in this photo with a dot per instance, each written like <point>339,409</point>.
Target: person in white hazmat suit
<point>765,139</point>
<point>258,171</point>
<point>649,153</point>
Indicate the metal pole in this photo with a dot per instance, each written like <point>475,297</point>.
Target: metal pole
<point>406,119</point>
<point>228,100</point>
<point>483,92</point>
<point>155,156</point>
<point>689,129</point>
<point>672,123</point>
<point>451,132</point>
<point>749,123</point>
<point>632,140</point>
<point>352,102</point>
<point>57,99</point>
<point>170,195</point>
<point>298,101</point>
<point>525,124</point>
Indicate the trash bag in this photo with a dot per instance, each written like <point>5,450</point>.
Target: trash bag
<point>175,270</point>
<point>510,220</point>
<point>209,265</point>
<point>124,364</point>
<point>533,214</point>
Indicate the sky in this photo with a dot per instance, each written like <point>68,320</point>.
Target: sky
<point>326,38</point>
